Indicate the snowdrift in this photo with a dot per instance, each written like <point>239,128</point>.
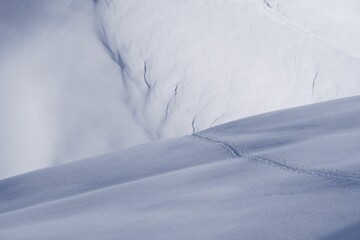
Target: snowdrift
<point>291,174</point>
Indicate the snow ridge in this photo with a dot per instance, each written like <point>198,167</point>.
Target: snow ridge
<point>280,163</point>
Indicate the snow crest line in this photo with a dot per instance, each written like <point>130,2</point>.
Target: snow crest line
<point>281,164</point>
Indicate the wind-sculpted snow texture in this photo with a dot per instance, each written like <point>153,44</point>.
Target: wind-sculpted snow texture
<point>81,78</point>
<point>200,63</point>
<point>291,174</point>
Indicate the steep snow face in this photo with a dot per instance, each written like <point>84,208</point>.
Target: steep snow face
<point>81,77</point>
<point>292,174</point>
<point>201,63</point>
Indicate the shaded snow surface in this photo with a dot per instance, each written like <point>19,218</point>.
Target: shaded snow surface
<point>291,174</point>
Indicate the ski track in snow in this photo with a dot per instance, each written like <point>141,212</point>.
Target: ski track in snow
<point>281,164</point>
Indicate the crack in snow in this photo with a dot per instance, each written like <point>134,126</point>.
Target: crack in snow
<point>267,4</point>
<point>314,82</point>
<point>193,125</point>
<point>146,81</point>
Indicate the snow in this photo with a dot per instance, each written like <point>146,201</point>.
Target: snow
<point>60,97</point>
<point>82,78</point>
<point>290,174</point>
<point>333,22</point>
<point>222,60</point>
<point>121,85</point>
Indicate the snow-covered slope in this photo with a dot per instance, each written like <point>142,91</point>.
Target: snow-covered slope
<point>81,77</point>
<point>60,94</point>
<point>292,174</point>
<point>335,23</point>
<point>200,63</point>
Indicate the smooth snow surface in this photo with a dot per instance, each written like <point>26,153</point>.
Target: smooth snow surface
<point>291,174</point>
<point>80,77</point>
<point>60,94</point>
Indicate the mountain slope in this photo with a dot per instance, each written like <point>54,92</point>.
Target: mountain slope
<point>81,78</point>
<point>291,174</point>
<point>60,94</point>
<point>203,63</point>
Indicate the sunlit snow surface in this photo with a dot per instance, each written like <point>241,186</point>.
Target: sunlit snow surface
<point>291,174</point>
<point>80,78</point>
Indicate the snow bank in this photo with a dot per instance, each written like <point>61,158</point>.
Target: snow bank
<point>291,174</point>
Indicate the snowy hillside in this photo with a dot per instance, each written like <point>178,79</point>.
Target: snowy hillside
<point>61,98</point>
<point>80,78</point>
<point>291,174</point>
